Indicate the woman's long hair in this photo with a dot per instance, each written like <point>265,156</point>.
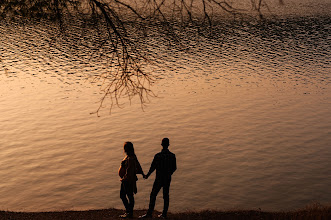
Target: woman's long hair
<point>128,148</point>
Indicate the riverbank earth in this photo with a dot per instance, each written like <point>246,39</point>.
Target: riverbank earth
<point>310,212</point>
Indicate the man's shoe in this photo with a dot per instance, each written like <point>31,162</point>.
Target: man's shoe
<point>162,216</point>
<point>126,215</point>
<point>146,216</point>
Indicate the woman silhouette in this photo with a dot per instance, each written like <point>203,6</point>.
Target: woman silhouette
<point>130,166</point>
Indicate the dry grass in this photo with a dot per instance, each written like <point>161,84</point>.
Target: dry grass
<point>313,212</point>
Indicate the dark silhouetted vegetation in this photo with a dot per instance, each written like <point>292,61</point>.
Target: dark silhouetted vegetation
<point>123,25</point>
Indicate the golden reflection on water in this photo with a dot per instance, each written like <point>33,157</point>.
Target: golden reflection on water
<point>249,123</point>
<point>237,146</point>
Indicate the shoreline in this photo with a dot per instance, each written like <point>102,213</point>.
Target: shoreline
<point>315,211</point>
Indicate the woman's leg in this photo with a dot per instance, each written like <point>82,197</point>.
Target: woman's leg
<point>123,197</point>
<point>131,202</point>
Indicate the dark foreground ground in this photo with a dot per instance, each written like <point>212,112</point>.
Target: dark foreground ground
<point>315,212</point>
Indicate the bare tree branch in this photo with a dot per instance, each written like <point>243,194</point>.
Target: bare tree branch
<point>125,23</point>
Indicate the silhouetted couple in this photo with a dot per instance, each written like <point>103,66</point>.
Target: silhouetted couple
<point>165,165</point>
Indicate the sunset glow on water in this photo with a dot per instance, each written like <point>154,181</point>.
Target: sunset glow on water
<point>248,117</point>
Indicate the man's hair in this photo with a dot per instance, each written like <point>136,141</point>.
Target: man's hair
<point>128,148</point>
<point>165,142</point>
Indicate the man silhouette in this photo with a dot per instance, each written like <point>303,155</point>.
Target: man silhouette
<point>165,165</point>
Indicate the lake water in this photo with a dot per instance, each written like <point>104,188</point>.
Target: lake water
<point>247,115</point>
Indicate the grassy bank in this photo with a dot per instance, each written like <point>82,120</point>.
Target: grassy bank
<point>314,212</point>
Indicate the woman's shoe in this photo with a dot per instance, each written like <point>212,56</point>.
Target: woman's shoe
<point>126,215</point>
<point>146,216</point>
<point>162,216</point>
